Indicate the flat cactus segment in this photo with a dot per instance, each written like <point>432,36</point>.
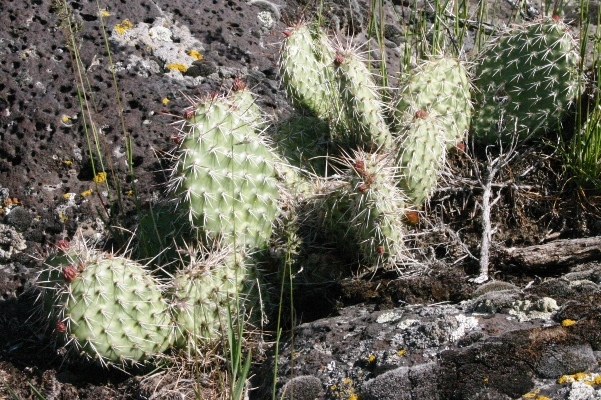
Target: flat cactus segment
<point>441,85</point>
<point>525,81</point>
<point>225,174</point>
<point>421,155</point>
<point>366,210</point>
<point>362,100</point>
<point>106,308</point>
<point>307,71</point>
<point>204,292</point>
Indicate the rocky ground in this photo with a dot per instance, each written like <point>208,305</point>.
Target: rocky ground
<point>426,331</point>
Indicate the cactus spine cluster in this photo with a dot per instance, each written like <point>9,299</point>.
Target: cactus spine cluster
<point>368,208</point>
<point>526,78</point>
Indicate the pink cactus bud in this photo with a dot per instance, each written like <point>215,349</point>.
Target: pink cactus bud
<point>69,273</point>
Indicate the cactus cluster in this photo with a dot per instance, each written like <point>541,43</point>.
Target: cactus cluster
<point>231,184</point>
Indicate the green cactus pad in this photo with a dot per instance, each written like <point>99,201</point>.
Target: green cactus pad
<point>225,174</point>
<point>441,85</point>
<point>362,102</point>
<point>421,155</point>
<point>205,292</point>
<point>365,211</point>
<point>306,70</point>
<point>525,80</point>
<point>105,308</point>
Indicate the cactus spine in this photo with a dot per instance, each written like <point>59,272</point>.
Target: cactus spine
<point>368,207</point>
<point>525,80</point>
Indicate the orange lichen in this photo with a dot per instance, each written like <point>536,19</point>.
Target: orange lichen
<point>176,67</point>
<point>100,177</point>
<point>195,54</point>
<point>11,202</point>
<point>123,27</point>
<point>568,322</point>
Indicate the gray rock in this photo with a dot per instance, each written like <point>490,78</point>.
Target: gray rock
<point>304,387</point>
<point>565,360</point>
<point>412,383</point>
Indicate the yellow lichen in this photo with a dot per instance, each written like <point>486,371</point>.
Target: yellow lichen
<point>123,27</point>
<point>567,322</point>
<point>485,380</point>
<point>130,193</point>
<point>65,118</point>
<point>104,13</point>
<point>68,163</point>
<point>86,193</point>
<point>68,196</point>
<point>176,67</point>
<point>165,101</point>
<point>62,217</point>
<point>371,358</point>
<point>401,352</point>
<point>531,395</point>
<point>195,54</point>
<point>100,177</point>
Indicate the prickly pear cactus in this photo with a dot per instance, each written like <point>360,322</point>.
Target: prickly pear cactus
<point>421,155</point>
<point>362,101</point>
<point>225,173</point>
<point>206,292</point>
<point>525,80</point>
<point>366,210</point>
<point>104,308</point>
<point>440,84</point>
<point>307,72</point>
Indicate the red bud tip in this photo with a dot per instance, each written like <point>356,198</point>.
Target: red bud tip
<point>63,245</point>
<point>69,273</point>
<point>339,59</point>
<point>287,32</point>
<point>460,146</point>
<point>421,114</point>
<point>189,113</point>
<point>556,18</point>
<point>360,165</point>
<point>61,327</point>
<point>363,188</point>
<point>238,85</point>
<point>380,249</point>
<point>412,217</point>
